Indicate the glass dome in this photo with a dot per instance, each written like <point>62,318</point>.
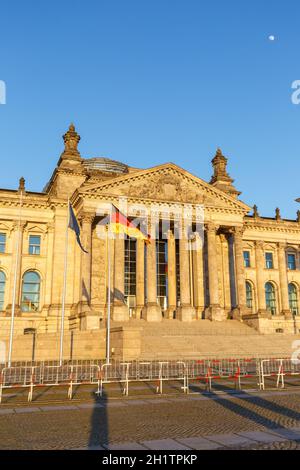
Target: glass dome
<point>105,164</point>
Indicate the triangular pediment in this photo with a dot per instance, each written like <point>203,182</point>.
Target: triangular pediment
<point>166,183</point>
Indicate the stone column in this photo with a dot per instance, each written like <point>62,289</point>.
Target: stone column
<point>87,219</point>
<point>260,284</point>
<point>284,293</point>
<point>239,273</point>
<point>152,311</point>
<point>18,239</point>
<point>140,277</point>
<point>171,274</point>
<point>198,274</point>
<point>215,311</point>
<point>120,309</point>
<point>186,311</point>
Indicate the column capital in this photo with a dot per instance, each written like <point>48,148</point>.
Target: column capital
<point>19,225</point>
<point>238,231</point>
<point>281,246</point>
<point>211,227</point>
<point>87,217</point>
<point>259,244</point>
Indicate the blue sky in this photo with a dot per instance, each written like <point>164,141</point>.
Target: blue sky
<point>151,81</point>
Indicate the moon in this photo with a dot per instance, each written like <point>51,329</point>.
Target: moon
<point>271,37</point>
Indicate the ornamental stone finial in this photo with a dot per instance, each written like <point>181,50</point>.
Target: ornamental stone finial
<point>277,214</point>
<point>255,211</point>
<point>221,179</point>
<point>21,185</point>
<point>298,216</point>
<point>71,140</point>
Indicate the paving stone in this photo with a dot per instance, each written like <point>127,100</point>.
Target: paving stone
<point>229,439</point>
<point>136,402</point>
<point>95,448</point>
<point>27,410</point>
<point>58,407</point>
<point>7,411</point>
<point>165,444</point>
<point>91,406</point>
<point>158,400</point>
<point>291,434</point>
<point>199,443</point>
<point>126,446</point>
<point>261,436</point>
<point>199,397</point>
<point>113,404</point>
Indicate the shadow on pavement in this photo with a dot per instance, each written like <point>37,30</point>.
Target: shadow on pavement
<point>252,415</point>
<point>99,433</point>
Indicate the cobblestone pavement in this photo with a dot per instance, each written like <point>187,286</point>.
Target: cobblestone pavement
<point>256,420</point>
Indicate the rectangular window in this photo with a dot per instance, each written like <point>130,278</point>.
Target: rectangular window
<point>2,242</point>
<point>247,259</point>
<point>291,262</point>
<point>34,245</point>
<point>130,272</point>
<point>161,274</point>
<point>269,261</point>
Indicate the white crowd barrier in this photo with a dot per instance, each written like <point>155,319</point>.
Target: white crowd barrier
<point>235,373</point>
<point>278,369</point>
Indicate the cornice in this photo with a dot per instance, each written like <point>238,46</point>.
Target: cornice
<point>279,227</point>
<point>77,197</point>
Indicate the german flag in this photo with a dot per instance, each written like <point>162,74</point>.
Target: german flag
<point>120,224</point>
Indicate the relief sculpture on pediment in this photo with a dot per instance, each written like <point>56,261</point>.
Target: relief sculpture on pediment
<point>166,188</point>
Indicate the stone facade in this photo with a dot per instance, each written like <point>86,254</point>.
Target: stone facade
<point>208,282</point>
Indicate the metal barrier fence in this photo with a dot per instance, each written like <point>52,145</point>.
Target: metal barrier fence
<point>208,372</point>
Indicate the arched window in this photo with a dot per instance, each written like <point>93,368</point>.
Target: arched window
<point>249,295</point>
<point>270,297</point>
<point>293,299</point>
<point>2,289</point>
<point>31,292</point>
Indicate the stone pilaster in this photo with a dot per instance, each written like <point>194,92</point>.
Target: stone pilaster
<point>284,293</point>
<point>239,273</point>
<point>18,228</point>
<point>260,284</point>
<point>152,311</point>
<point>171,274</point>
<point>49,272</point>
<point>186,310</point>
<point>214,312</point>
<point>120,309</point>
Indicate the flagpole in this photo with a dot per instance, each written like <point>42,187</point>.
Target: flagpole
<point>13,307</point>
<point>63,305</point>
<point>108,296</point>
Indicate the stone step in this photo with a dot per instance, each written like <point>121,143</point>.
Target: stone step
<point>191,346</point>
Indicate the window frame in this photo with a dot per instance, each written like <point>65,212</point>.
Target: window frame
<point>271,302</point>
<point>2,292</point>
<point>294,263</point>
<point>267,261</point>
<point>30,293</point>
<point>3,243</point>
<point>34,245</point>
<point>294,309</point>
<point>247,260</point>
<point>249,305</point>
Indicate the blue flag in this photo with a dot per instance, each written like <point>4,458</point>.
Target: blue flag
<point>74,225</point>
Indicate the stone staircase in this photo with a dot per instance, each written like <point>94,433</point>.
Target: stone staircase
<point>172,339</point>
